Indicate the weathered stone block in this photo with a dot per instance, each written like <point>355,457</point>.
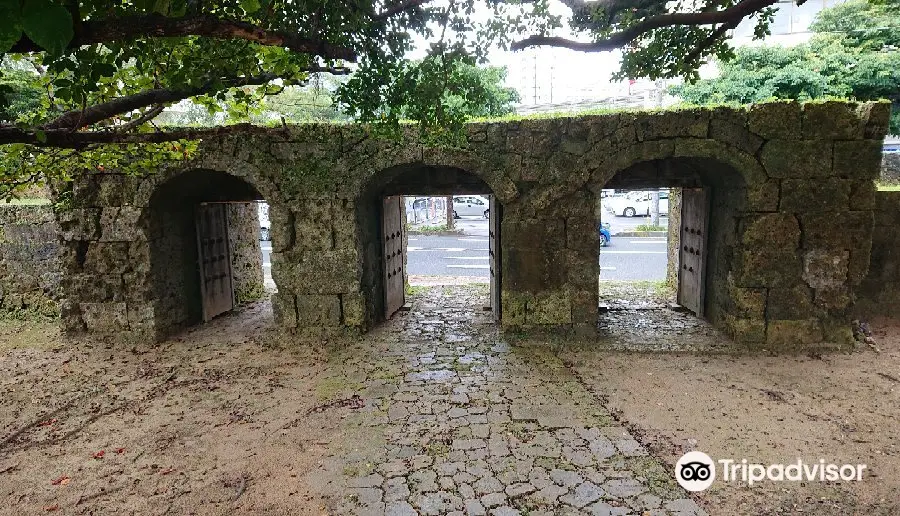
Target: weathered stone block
<point>140,315</point>
<point>832,120</point>
<point>768,267</point>
<point>776,120</point>
<point>317,272</point>
<point>764,196</point>
<point>877,116</point>
<point>107,258</point>
<point>690,123</point>
<point>778,230</point>
<point>353,309</point>
<point>284,310</point>
<point>833,298</point>
<point>858,159</point>
<point>860,264</point>
<point>747,302</point>
<point>745,330</point>
<point>105,317</point>
<point>120,224</point>
<point>797,159</point>
<point>826,194</point>
<point>790,303</point>
<point>733,131</point>
<point>829,230</point>
<point>862,195</point>
<point>824,268</point>
<point>550,308</point>
<point>79,224</point>
<point>584,307</point>
<point>312,223</point>
<point>317,310</point>
<point>513,307</point>
<point>790,335</point>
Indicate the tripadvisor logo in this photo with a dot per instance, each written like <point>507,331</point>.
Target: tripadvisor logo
<point>696,471</point>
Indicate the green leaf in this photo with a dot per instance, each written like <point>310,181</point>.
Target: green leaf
<point>49,25</point>
<point>250,6</point>
<point>11,28</point>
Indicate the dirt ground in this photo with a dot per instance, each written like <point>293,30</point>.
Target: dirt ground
<point>229,418</point>
<point>844,408</point>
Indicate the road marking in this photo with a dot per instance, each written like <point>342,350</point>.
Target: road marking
<point>607,268</point>
<point>468,266</point>
<point>266,248</point>
<point>647,241</point>
<point>633,252</point>
<point>267,264</point>
<point>473,239</point>
<point>445,249</point>
<point>465,257</point>
<point>412,239</point>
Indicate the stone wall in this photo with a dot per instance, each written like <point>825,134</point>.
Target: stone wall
<point>29,260</point>
<point>890,168</point>
<point>879,293</point>
<point>779,174</point>
<point>246,254</point>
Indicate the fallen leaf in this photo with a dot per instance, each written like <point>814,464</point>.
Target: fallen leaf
<point>60,480</point>
<point>100,454</point>
<point>51,508</point>
<point>48,422</point>
<point>166,471</point>
<point>120,450</point>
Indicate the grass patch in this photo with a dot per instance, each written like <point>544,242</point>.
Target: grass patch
<point>889,188</point>
<point>25,201</point>
<point>650,227</point>
<point>413,290</point>
<point>432,230</point>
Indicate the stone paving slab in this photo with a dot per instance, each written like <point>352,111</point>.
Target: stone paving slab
<point>458,422</point>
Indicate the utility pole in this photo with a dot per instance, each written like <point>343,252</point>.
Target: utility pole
<point>534,71</point>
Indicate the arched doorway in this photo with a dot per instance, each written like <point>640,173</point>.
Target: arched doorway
<point>707,199</point>
<point>381,219</point>
<point>203,232</point>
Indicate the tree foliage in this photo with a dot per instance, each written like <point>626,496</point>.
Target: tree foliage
<point>107,69</point>
<point>854,53</point>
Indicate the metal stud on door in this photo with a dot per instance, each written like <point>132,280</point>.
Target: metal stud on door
<point>216,283</point>
<point>394,251</point>
<point>692,255</point>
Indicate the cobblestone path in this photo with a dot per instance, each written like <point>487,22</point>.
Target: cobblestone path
<point>458,422</point>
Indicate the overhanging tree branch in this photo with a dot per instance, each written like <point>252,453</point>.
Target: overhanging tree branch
<point>80,140</point>
<point>731,15</point>
<point>154,25</point>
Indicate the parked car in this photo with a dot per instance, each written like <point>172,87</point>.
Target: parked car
<point>605,235</point>
<point>638,202</point>
<point>264,224</point>
<point>468,205</point>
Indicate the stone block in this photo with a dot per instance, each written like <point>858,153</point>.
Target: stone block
<point>105,317</point>
<point>768,267</point>
<point>824,268</point>
<point>334,271</point>
<point>689,123</point>
<point>792,335</point>
<point>121,224</point>
<point>790,303</point>
<point>829,230</point>
<point>778,230</point>
<point>513,307</point>
<point>318,310</point>
<point>877,116</point>
<point>745,330</point>
<point>747,302</point>
<point>860,265</point>
<point>549,308</point>
<point>107,258</point>
<point>825,194</point>
<point>353,310</point>
<point>832,120</point>
<point>79,224</point>
<point>858,159</point>
<point>284,310</point>
<point>734,132</point>
<point>312,224</point>
<point>862,195</point>
<point>140,315</point>
<point>764,196</point>
<point>581,235</point>
<point>797,158</point>
<point>780,120</point>
<point>584,307</point>
<point>94,288</point>
<point>833,299</point>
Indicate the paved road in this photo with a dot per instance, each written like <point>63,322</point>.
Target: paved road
<point>627,258</point>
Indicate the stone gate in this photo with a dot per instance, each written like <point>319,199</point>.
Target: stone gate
<point>789,218</point>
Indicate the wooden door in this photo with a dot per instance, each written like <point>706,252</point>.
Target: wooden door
<point>494,253</point>
<point>394,251</point>
<point>216,284</point>
<point>692,254</point>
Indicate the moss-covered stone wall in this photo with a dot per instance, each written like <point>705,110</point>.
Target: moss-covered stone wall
<point>779,173</point>
<point>29,260</point>
<point>879,293</point>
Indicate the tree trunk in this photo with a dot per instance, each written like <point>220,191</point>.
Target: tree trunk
<point>654,209</point>
<point>450,221</point>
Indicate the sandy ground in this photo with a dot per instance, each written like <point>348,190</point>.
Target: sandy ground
<point>229,419</point>
<point>844,408</point>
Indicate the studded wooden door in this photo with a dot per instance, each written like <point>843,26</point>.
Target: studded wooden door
<point>216,285</point>
<point>494,254</point>
<point>394,251</point>
<point>692,254</point>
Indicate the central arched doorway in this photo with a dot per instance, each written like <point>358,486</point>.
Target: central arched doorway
<point>382,222</point>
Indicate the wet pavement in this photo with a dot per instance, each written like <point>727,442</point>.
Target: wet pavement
<point>458,421</point>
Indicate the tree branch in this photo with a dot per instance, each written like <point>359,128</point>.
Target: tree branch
<point>141,120</point>
<point>399,8</point>
<point>154,25</point>
<point>619,39</point>
<point>76,119</point>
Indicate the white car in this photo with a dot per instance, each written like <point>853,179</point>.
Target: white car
<point>468,205</point>
<point>638,202</point>
<point>264,224</point>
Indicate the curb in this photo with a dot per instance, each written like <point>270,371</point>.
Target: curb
<point>435,233</point>
<point>642,234</point>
